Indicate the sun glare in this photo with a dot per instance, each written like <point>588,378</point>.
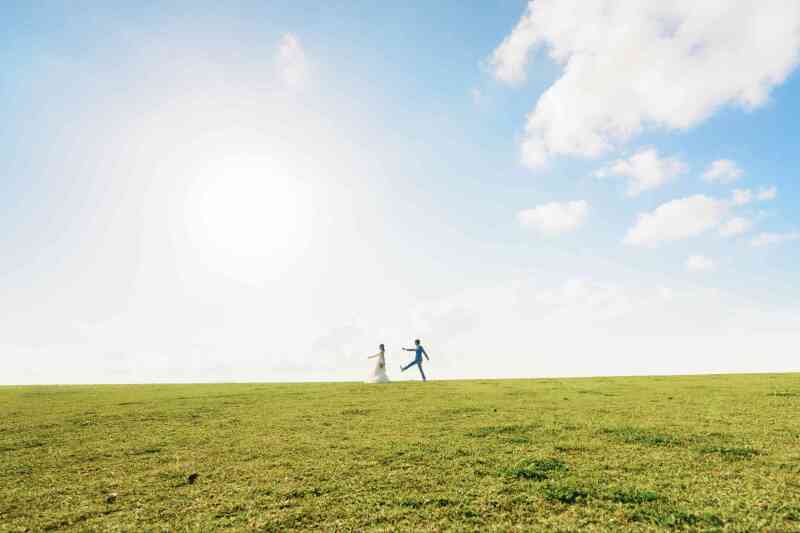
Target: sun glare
<point>248,209</point>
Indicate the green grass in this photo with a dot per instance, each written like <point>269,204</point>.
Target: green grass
<point>709,453</point>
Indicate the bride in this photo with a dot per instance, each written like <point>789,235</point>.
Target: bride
<point>378,374</point>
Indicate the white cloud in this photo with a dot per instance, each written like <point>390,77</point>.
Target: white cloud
<point>742,196</point>
<point>291,61</point>
<point>645,170</point>
<point>722,171</point>
<point>555,218</point>
<point>767,239</point>
<point>736,226</point>
<point>510,59</point>
<point>700,263</point>
<point>746,196</point>
<point>675,220</point>
<point>629,65</point>
<point>766,194</point>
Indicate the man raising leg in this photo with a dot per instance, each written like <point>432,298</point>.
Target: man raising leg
<point>419,352</point>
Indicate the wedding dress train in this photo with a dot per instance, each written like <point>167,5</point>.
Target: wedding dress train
<point>378,373</point>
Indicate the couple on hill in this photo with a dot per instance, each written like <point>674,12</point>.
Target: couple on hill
<point>378,374</point>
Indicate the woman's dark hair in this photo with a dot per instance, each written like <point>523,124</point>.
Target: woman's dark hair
<point>380,346</point>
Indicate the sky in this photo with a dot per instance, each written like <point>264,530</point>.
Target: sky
<point>266,191</point>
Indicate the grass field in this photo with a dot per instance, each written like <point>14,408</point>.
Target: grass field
<point>635,454</point>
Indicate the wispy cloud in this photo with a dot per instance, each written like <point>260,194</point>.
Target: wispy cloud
<point>645,170</point>
<point>723,171</point>
<point>292,64</point>
<point>676,220</point>
<point>742,196</point>
<point>555,218</point>
<point>746,196</point>
<point>768,239</point>
<point>736,226</point>
<point>767,193</point>
<point>700,263</point>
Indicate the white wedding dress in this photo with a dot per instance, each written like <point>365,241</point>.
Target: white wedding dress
<point>378,372</point>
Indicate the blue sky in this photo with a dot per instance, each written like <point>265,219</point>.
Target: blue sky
<point>266,191</point>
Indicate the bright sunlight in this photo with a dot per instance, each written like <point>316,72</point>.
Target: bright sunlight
<point>246,210</point>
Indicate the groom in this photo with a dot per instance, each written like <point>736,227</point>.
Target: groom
<point>417,358</point>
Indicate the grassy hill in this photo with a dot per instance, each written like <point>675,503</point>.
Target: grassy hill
<point>633,454</point>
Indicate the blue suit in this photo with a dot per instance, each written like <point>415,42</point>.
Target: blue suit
<point>417,361</point>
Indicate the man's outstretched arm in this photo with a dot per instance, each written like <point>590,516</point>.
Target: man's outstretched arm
<point>426,354</point>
